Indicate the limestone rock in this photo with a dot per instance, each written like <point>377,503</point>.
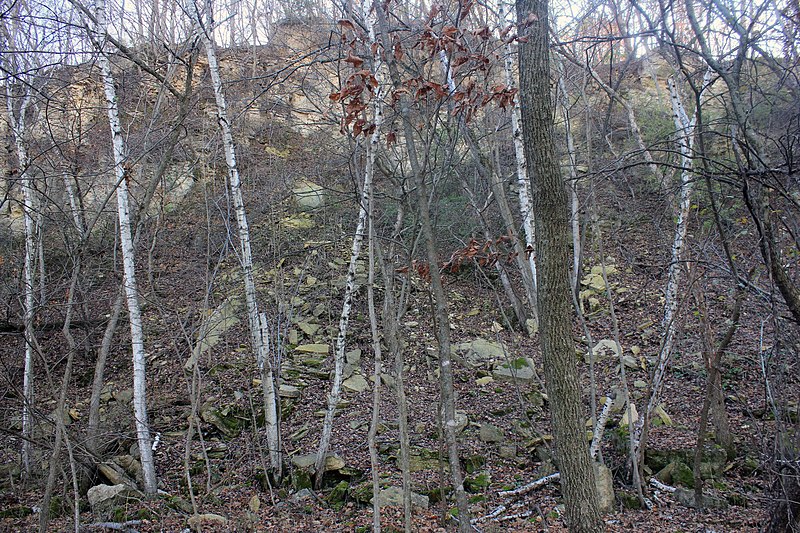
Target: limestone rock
<point>480,351</point>
<point>116,475</point>
<point>288,391</point>
<point>394,496</point>
<point>225,419</point>
<point>208,521</point>
<point>309,328</point>
<point>663,416</point>
<point>306,462</point>
<point>355,383</point>
<point>213,327</point>
<point>353,356</point>
<point>104,498</point>
<point>308,195</point>
<point>461,421</point>
<point>490,433</point>
<point>131,466</point>
<point>630,416</point>
<point>604,480</point>
<point>321,349</point>
<point>521,369</point>
<point>605,348</point>
<point>687,498</point>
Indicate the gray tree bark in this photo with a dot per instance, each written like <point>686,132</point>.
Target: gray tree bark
<point>553,246</point>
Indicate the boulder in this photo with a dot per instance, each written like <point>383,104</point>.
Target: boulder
<point>288,391</point>
<point>207,521</point>
<point>225,420</point>
<point>320,349</point>
<point>605,348</point>
<point>520,369</point>
<point>306,462</point>
<point>490,433</point>
<point>394,496</point>
<point>604,480</point>
<point>687,498</point>
<point>308,195</point>
<point>355,383</point>
<point>115,474</point>
<point>480,351</point>
<point>103,499</point>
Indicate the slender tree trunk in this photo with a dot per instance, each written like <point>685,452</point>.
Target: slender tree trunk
<point>563,104</point>
<point>685,129</point>
<point>441,318</point>
<point>116,308</point>
<point>551,206</point>
<point>19,130</point>
<point>129,265</point>
<point>358,239</point>
<point>259,332</point>
<point>523,183</point>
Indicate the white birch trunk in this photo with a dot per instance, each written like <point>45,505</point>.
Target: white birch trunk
<point>18,129</point>
<point>358,238</point>
<point>524,260</point>
<point>523,183</point>
<point>563,101</point>
<point>128,261</point>
<point>685,129</point>
<point>259,330</point>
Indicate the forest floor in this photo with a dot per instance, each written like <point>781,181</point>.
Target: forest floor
<point>227,464</point>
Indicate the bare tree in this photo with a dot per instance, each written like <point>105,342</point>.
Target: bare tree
<point>259,325</point>
<point>553,250</point>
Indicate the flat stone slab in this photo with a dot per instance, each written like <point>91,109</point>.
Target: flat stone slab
<point>313,348</point>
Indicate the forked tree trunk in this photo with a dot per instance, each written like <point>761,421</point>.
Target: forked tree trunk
<point>128,258</point>
<point>551,206</point>
<point>259,331</point>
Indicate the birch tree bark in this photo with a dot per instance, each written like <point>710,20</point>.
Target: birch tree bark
<point>358,238</point>
<point>19,129</point>
<point>523,183</point>
<point>685,129</point>
<point>128,257</point>
<point>259,327</point>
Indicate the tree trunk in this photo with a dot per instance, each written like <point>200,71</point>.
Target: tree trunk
<point>128,259</point>
<point>19,130</point>
<point>440,314</point>
<point>358,239</point>
<point>551,208</point>
<point>523,184</point>
<point>685,130</point>
<point>259,332</point>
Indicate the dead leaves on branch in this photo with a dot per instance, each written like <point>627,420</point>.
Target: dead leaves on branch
<point>469,55</point>
<point>484,254</point>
